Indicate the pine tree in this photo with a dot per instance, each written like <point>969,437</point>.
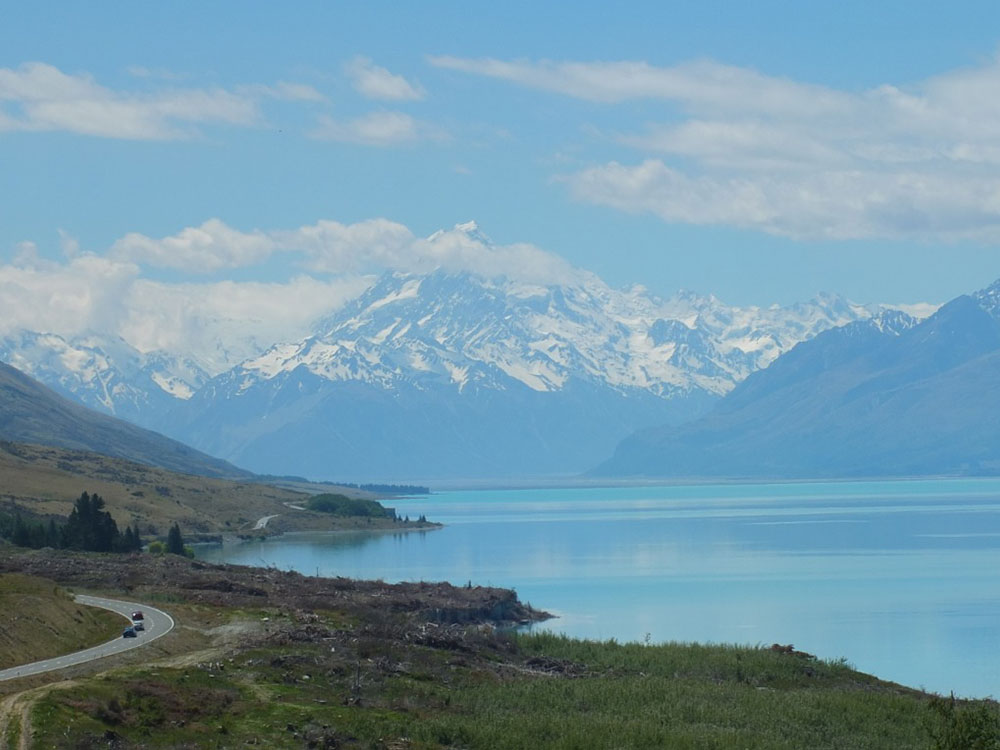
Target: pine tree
<point>52,535</point>
<point>175,542</point>
<point>21,537</point>
<point>90,527</point>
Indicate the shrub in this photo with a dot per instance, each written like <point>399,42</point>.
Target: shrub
<point>341,505</point>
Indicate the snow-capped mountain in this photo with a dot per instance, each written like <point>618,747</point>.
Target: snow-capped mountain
<point>468,331</point>
<point>446,373</point>
<point>888,396</point>
<point>989,299</point>
<point>451,374</point>
<point>105,373</point>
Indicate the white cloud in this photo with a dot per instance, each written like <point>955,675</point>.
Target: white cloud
<point>330,247</point>
<point>220,323</point>
<point>832,204</point>
<point>465,248</point>
<point>375,82</point>
<point>49,99</point>
<point>85,293</point>
<point>292,92</point>
<point>701,84</point>
<point>165,74</point>
<point>225,322</point>
<point>746,149</point>
<point>68,244</point>
<point>203,249</point>
<point>40,97</point>
<point>383,128</point>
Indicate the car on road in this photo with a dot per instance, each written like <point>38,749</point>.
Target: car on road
<point>137,615</point>
<point>129,632</point>
<point>138,625</point>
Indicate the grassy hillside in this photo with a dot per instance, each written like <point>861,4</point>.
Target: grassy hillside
<point>39,620</point>
<point>32,413</point>
<point>44,481</point>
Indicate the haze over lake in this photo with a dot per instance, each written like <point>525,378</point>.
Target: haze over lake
<point>897,577</point>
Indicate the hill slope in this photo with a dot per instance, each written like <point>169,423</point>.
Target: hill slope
<point>32,413</point>
<point>43,481</point>
<point>884,397</point>
<point>39,620</point>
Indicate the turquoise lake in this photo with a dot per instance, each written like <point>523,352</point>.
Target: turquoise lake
<point>899,578</point>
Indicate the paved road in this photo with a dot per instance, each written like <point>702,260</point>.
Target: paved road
<point>262,522</point>
<point>158,623</point>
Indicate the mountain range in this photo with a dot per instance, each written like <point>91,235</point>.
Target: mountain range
<point>888,396</point>
<point>442,375</point>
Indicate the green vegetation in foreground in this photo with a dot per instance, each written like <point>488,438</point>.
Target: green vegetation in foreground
<point>39,620</point>
<point>272,658</point>
<point>501,691</point>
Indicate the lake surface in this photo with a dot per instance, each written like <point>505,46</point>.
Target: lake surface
<point>899,578</point>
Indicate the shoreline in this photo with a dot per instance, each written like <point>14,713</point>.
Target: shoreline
<point>236,539</point>
<point>571,483</point>
<point>266,657</point>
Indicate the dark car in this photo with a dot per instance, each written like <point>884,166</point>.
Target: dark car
<point>137,615</point>
<point>129,632</point>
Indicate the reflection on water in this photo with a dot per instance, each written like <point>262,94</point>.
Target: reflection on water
<point>898,577</point>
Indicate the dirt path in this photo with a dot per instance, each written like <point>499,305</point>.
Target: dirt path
<point>15,715</point>
<point>15,709</point>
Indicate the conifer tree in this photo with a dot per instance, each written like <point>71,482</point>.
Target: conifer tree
<point>175,542</point>
<point>90,527</point>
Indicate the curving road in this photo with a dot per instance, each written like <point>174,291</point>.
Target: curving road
<point>157,622</point>
<point>262,522</point>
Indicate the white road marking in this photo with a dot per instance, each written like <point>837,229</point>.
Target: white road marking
<point>118,645</point>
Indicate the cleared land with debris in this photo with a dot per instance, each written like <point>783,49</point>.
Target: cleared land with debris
<point>263,657</point>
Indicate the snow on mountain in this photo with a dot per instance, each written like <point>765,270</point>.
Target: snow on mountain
<point>104,372</point>
<point>455,374</point>
<point>893,322</point>
<point>989,299</point>
<point>471,331</point>
<point>444,373</point>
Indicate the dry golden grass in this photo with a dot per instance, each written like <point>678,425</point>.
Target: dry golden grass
<point>39,620</point>
<point>48,480</point>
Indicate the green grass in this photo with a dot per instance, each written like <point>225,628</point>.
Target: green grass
<point>557,692</point>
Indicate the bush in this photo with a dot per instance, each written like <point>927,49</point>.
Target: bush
<point>341,505</point>
<point>964,726</point>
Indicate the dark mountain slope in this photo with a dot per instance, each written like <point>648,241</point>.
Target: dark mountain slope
<point>874,398</point>
<point>32,413</point>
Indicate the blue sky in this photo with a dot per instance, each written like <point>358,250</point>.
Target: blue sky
<point>761,152</point>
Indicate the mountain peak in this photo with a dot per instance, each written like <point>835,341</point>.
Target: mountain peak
<point>989,299</point>
<point>469,229</point>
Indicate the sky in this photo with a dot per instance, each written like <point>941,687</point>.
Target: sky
<point>165,163</point>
